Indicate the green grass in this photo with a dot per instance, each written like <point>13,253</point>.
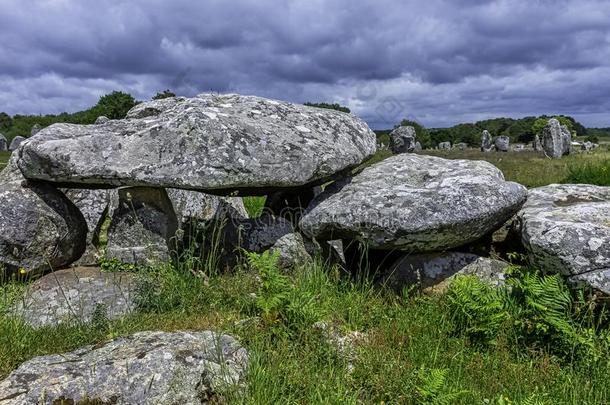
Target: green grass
<point>254,206</point>
<point>414,352</point>
<point>589,172</point>
<point>4,157</point>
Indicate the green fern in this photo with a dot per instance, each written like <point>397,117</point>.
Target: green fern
<point>431,387</point>
<point>274,289</point>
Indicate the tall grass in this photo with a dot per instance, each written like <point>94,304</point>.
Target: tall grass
<point>594,172</point>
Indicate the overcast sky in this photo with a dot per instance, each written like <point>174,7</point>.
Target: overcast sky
<point>438,62</point>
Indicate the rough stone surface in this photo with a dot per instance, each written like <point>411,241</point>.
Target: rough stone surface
<point>434,272</point>
<point>460,146</point>
<point>402,139</point>
<point>486,144</point>
<point>94,205</point>
<point>147,368</point>
<point>16,142</point>
<point>40,229</point>
<point>566,229</point>
<point>537,145</point>
<point>194,206</point>
<point>556,139</point>
<point>292,251</point>
<point>444,145</point>
<point>36,128</point>
<point>418,147</point>
<point>3,143</point>
<point>101,120</point>
<point>415,203</point>
<point>502,143</point>
<point>143,226</point>
<point>218,143</point>
<point>76,294</point>
<point>258,234</point>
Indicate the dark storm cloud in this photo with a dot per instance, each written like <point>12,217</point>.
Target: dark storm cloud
<point>439,62</point>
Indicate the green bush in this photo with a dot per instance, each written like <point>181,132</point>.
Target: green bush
<point>597,173</point>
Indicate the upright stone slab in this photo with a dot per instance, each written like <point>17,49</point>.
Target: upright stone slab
<point>415,203</point>
<point>444,145</point>
<point>40,229</point>
<point>3,143</point>
<point>556,139</point>
<point>213,143</point>
<point>15,143</point>
<point>502,143</point>
<point>402,139</point>
<point>486,144</point>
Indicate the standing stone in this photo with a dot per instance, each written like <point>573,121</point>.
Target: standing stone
<point>418,147</point>
<point>16,142</point>
<point>502,143</point>
<point>444,145</point>
<point>101,120</point>
<point>460,146</point>
<point>565,228</point>
<point>211,143</point>
<point>486,145</point>
<point>35,129</point>
<point>143,226</point>
<point>40,229</point>
<point>537,144</point>
<point>402,139</point>
<point>3,143</point>
<point>146,368</point>
<point>556,139</point>
<point>94,205</point>
<point>76,295</point>
<point>415,203</point>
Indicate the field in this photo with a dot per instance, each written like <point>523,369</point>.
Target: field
<point>4,156</point>
<point>418,349</point>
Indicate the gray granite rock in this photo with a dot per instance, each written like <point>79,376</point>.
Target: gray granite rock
<point>537,145</point>
<point>16,142</point>
<point>460,146</point>
<point>486,144</point>
<point>556,139</point>
<point>143,227</point>
<point>36,128</point>
<point>40,229</point>
<point>193,206</point>
<point>94,205</point>
<point>76,295</point>
<point>147,368</point>
<point>502,143</point>
<point>218,143</point>
<point>444,145</point>
<point>566,229</point>
<point>101,120</point>
<point>3,143</point>
<point>415,203</point>
<point>292,251</point>
<point>402,139</point>
<point>433,272</point>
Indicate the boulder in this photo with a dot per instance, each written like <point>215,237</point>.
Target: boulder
<point>292,251</point>
<point>586,146</point>
<point>194,206</point>
<point>36,128</point>
<point>415,203</point>
<point>444,145</point>
<point>258,234</point>
<point>213,143</point>
<point>143,226</point>
<point>418,147</point>
<point>460,146</point>
<point>146,368</point>
<point>502,143</point>
<point>433,272</point>
<point>3,143</point>
<point>486,144</point>
<point>537,145</point>
<point>16,142</point>
<point>94,205</point>
<point>556,139</point>
<point>40,229</point>
<point>76,295</point>
<point>565,229</point>
<point>402,139</point>
<point>101,120</point>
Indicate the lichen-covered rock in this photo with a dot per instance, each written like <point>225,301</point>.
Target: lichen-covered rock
<point>217,143</point>
<point>502,143</point>
<point>402,139</point>
<point>76,295</point>
<point>486,144</point>
<point>566,229</point>
<point>292,251</point>
<point>147,368</point>
<point>433,272</point>
<point>36,128</point>
<point>143,227</point>
<point>536,144</point>
<point>258,234</point>
<point>16,142</point>
<point>94,205</point>
<point>40,229</point>
<point>415,203</point>
<point>3,143</point>
<point>101,120</point>
<point>444,145</point>
<point>460,146</point>
<point>194,206</point>
<point>556,139</point>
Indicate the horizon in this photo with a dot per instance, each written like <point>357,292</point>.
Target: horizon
<point>439,64</point>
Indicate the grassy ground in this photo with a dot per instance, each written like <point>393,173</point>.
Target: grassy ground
<point>4,156</point>
<point>413,353</point>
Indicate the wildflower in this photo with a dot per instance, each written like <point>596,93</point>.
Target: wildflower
<point>22,271</point>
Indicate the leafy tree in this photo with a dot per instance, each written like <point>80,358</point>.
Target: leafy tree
<point>422,134</point>
<point>328,106</point>
<point>5,121</point>
<point>164,94</point>
<point>541,122</point>
<point>115,105</point>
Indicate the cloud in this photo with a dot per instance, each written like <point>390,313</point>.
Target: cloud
<point>440,62</point>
